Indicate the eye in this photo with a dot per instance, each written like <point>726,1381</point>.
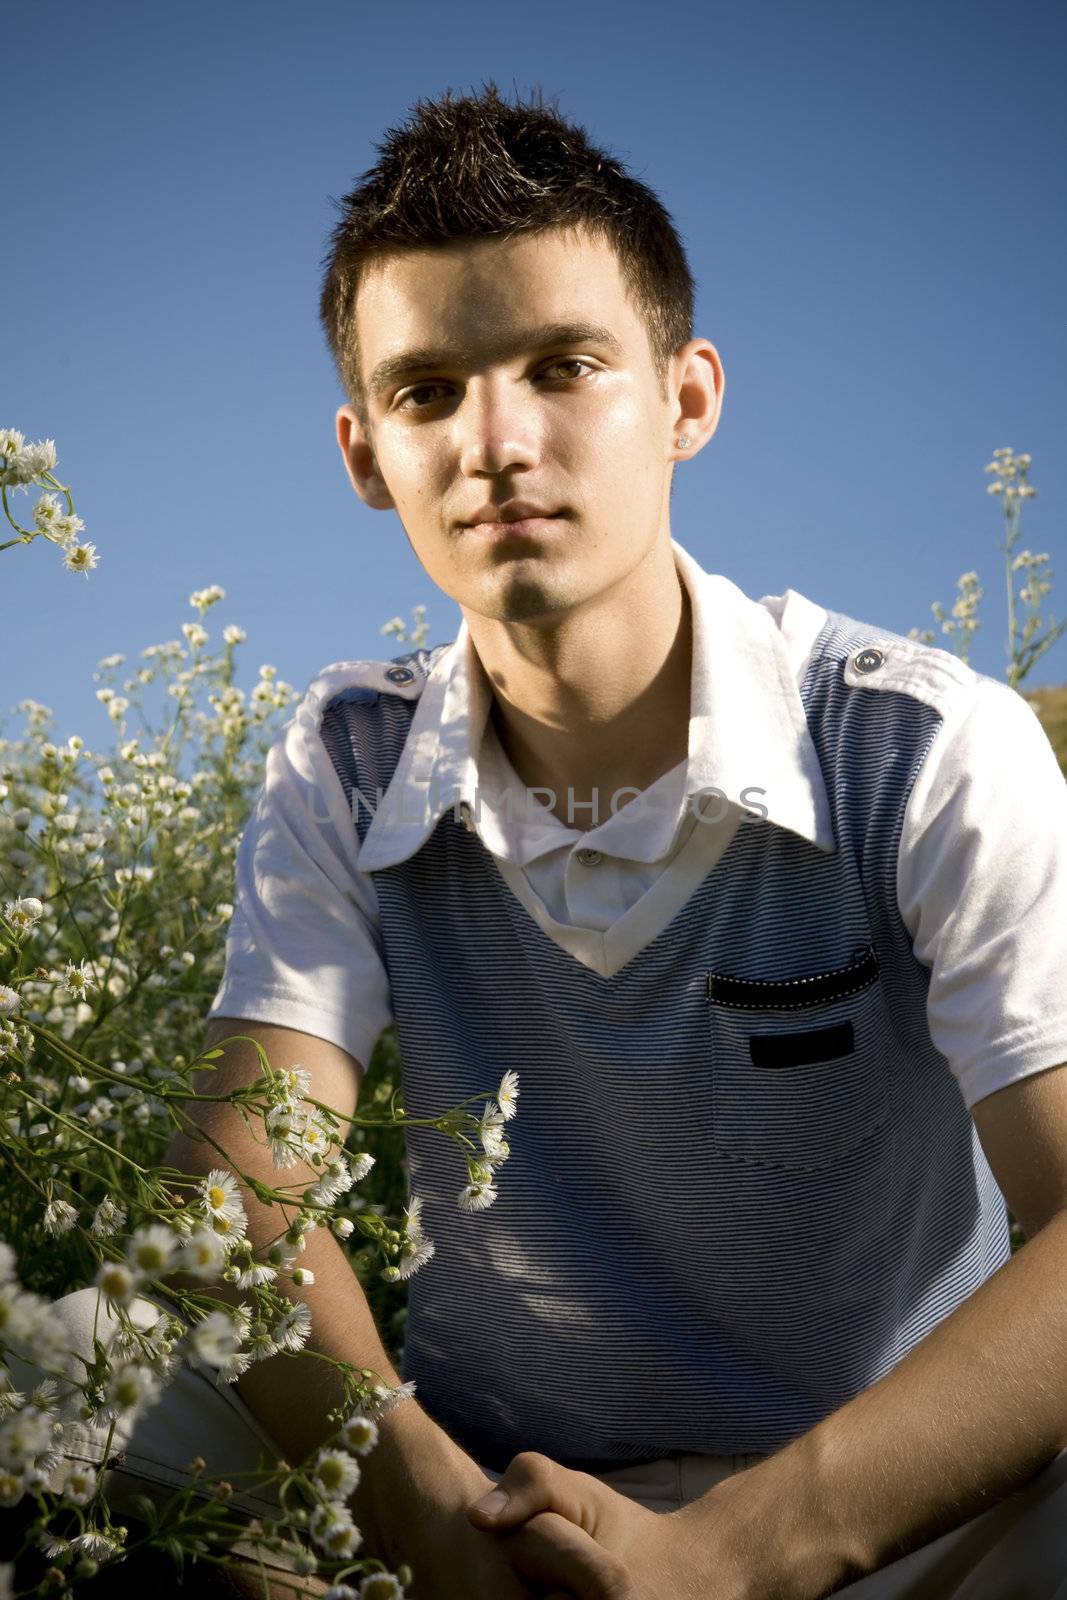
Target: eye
<point>571,361</point>
<point>421,388</point>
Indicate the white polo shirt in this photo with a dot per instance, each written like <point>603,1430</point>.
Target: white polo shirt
<point>982,866</point>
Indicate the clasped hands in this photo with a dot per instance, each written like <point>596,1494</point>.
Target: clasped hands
<point>594,1544</point>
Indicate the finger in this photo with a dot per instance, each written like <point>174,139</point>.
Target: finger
<point>531,1484</point>
<point>552,1551</point>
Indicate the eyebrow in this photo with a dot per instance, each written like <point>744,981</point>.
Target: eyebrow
<point>549,333</point>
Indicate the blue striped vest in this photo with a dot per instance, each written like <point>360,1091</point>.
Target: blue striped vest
<point>743,1182</point>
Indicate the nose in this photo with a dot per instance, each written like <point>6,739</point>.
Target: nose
<point>498,427</point>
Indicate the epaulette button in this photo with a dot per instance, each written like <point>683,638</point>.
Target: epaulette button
<point>868,660</point>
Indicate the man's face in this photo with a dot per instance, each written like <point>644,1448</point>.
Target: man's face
<point>504,412</point>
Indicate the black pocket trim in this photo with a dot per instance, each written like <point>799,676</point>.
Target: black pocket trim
<point>794,994</point>
<point>801,1049</point>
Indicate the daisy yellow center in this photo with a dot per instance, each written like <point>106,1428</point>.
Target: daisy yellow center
<point>216,1196</point>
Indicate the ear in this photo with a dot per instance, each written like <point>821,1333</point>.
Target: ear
<point>360,462</point>
<point>701,384</point>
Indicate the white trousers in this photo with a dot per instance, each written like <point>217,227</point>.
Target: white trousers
<point>1017,1550</point>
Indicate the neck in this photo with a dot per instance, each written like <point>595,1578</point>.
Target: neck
<point>600,702</point>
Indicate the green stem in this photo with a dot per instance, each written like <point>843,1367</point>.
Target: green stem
<point>85,1134</point>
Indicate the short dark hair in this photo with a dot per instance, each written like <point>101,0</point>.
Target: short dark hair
<point>477,167</point>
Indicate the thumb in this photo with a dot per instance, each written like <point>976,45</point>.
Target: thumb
<point>532,1483</point>
<point>493,1507</point>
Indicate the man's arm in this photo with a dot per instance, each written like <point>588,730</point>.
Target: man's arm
<point>291,1394</point>
<point>969,1416</point>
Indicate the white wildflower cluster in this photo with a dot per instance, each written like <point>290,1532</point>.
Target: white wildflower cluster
<point>202,599</point>
<point>116,865</point>
<point>334,1474</point>
<point>480,1192</point>
<point>419,631</point>
<point>30,1432</point>
<point>22,464</point>
<point>23,914</point>
<point>1010,476</point>
<point>1025,643</point>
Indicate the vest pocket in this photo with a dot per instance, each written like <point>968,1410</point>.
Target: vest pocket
<point>799,1064</point>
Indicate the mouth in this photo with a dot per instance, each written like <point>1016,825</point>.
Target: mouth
<point>522,527</point>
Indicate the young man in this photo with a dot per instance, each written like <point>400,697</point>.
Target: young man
<point>765,906</point>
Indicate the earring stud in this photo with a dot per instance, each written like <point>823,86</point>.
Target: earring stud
<point>683,441</point>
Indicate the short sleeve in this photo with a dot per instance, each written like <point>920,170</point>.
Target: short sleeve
<point>982,890</point>
<point>303,948</point>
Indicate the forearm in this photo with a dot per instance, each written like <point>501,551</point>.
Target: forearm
<point>969,1416</point>
<point>291,1395</point>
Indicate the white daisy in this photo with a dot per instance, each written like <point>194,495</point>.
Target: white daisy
<point>491,1130</point>
<point>233,1367</point>
<point>59,1218</point>
<point>128,1389</point>
<point>291,1330</point>
<point>476,1197</point>
<point>333,1530</point>
<point>203,1254</point>
<point>108,1218</point>
<point>284,1123</point>
<point>152,1249</point>
<point>336,1473</point>
<point>230,1229</point>
<point>80,1485</point>
<point>380,1586</point>
<point>254,1274</point>
<point>23,912</point>
<point>77,980</point>
<point>413,1256</point>
<point>81,558</point>
<point>9,1001</point>
<point>95,1544</point>
<point>360,1165</point>
<point>508,1093</point>
<point>359,1433</point>
<point>220,1194</point>
<point>336,1180</point>
<point>316,1137</point>
<point>296,1081</point>
<point>382,1400</point>
<point>118,1283</point>
<point>65,530</point>
<point>217,1337</point>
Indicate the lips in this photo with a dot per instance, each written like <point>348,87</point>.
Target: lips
<point>511,511</point>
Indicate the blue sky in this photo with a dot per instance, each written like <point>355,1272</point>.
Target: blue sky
<point>871,200</point>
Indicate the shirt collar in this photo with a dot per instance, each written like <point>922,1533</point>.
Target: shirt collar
<point>747,730</point>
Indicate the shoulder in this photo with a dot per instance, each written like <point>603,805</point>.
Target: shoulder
<point>338,694</point>
<point>400,677</point>
<point>876,660</point>
<point>973,707</point>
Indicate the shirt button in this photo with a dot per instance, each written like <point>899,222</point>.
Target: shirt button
<point>589,858</point>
